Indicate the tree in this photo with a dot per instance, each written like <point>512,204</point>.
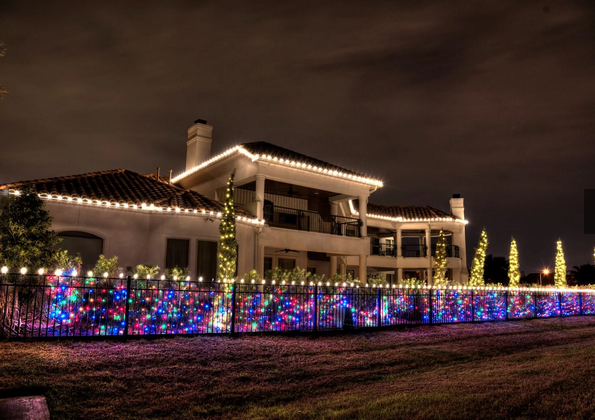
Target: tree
<point>478,263</point>
<point>440,261</point>
<point>560,270</point>
<point>25,236</point>
<point>228,247</point>
<point>62,260</point>
<point>3,91</point>
<point>106,265</point>
<point>514,272</point>
<point>583,274</point>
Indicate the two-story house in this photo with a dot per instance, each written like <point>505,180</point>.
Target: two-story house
<point>292,211</point>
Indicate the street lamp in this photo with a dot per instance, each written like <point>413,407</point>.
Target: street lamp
<point>545,273</point>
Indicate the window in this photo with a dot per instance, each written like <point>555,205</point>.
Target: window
<point>286,263</point>
<point>312,270</point>
<point>177,253</point>
<point>87,245</point>
<point>206,260</point>
<point>268,264</point>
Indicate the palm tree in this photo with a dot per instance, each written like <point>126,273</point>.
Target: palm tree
<point>583,274</point>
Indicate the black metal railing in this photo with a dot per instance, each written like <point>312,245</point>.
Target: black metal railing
<point>414,251</point>
<point>311,221</point>
<point>382,249</point>
<point>62,306</point>
<point>452,251</point>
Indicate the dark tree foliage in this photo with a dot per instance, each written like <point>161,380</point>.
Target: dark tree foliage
<point>583,274</point>
<point>496,270</point>
<point>25,236</point>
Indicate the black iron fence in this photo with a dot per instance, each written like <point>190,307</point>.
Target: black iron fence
<point>53,306</point>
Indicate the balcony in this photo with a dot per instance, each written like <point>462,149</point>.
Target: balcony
<point>452,251</point>
<point>384,250</point>
<point>311,221</point>
<point>414,251</point>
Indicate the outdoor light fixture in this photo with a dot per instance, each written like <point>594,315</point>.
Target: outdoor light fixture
<point>40,271</point>
<point>136,276</point>
<point>58,272</point>
<point>74,273</point>
<point>162,277</point>
<point>89,274</point>
<point>23,270</point>
<point>4,270</point>
<point>121,275</point>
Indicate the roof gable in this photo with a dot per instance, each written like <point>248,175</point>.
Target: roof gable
<point>405,213</point>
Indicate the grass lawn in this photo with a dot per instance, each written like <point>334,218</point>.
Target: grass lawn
<point>538,369</point>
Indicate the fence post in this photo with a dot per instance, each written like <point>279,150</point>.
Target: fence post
<point>128,287</point>
<point>560,302</point>
<point>472,307</point>
<point>379,306</point>
<point>431,308</point>
<point>580,303</point>
<point>233,308</point>
<point>506,305</point>
<point>315,308</point>
<point>535,304</point>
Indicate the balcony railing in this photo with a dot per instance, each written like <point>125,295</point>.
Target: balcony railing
<point>414,251</point>
<point>452,251</point>
<point>311,221</point>
<point>384,250</point>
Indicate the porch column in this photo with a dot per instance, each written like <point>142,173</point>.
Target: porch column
<point>363,210</point>
<point>333,265</point>
<point>399,242</point>
<point>429,252</point>
<point>260,261</point>
<point>363,268</point>
<point>399,275</point>
<point>342,266</point>
<point>260,196</point>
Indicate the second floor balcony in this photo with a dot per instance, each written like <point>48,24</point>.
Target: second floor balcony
<point>410,251</point>
<point>311,221</point>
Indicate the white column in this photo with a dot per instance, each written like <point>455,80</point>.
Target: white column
<point>363,268</point>
<point>363,210</point>
<point>399,242</point>
<point>260,261</point>
<point>399,275</point>
<point>342,266</point>
<point>333,265</point>
<point>260,196</point>
<point>429,252</point>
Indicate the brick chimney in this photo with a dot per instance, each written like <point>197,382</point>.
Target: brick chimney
<point>198,146</point>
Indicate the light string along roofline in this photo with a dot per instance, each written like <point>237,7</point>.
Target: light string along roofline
<point>280,161</point>
<point>146,207</point>
<point>402,219</point>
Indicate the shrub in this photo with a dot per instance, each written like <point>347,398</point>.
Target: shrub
<point>106,265</point>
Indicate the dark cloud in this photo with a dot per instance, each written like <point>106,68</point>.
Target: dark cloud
<point>492,100</point>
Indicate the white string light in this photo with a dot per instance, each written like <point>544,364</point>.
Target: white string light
<point>279,161</point>
<point>402,219</point>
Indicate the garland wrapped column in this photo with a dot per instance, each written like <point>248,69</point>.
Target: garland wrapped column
<point>560,271</point>
<point>514,273</point>
<point>228,251</point>
<point>440,260</point>
<point>477,266</point>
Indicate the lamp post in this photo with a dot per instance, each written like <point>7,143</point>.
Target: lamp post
<point>545,272</point>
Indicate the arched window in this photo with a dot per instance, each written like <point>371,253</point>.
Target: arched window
<point>86,244</point>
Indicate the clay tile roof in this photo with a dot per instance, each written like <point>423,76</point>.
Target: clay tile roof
<point>123,187</point>
<point>406,212</point>
<point>264,148</point>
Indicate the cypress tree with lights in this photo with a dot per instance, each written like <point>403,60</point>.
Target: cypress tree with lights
<point>440,260</point>
<point>560,270</point>
<point>228,251</point>
<point>514,272</point>
<point>477,266</point>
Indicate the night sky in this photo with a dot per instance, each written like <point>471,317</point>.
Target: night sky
<point>493,100</point>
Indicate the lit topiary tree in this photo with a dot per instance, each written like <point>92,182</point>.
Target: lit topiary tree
<point>228,251</point>
<point>478,263</point>
<point>514,272</point>
<point>440,261</point>
<point>560,270</point>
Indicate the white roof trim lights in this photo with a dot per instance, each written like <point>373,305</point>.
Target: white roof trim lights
<point>402,219</point>
<point>143,207</point>
<point>280,161</point>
